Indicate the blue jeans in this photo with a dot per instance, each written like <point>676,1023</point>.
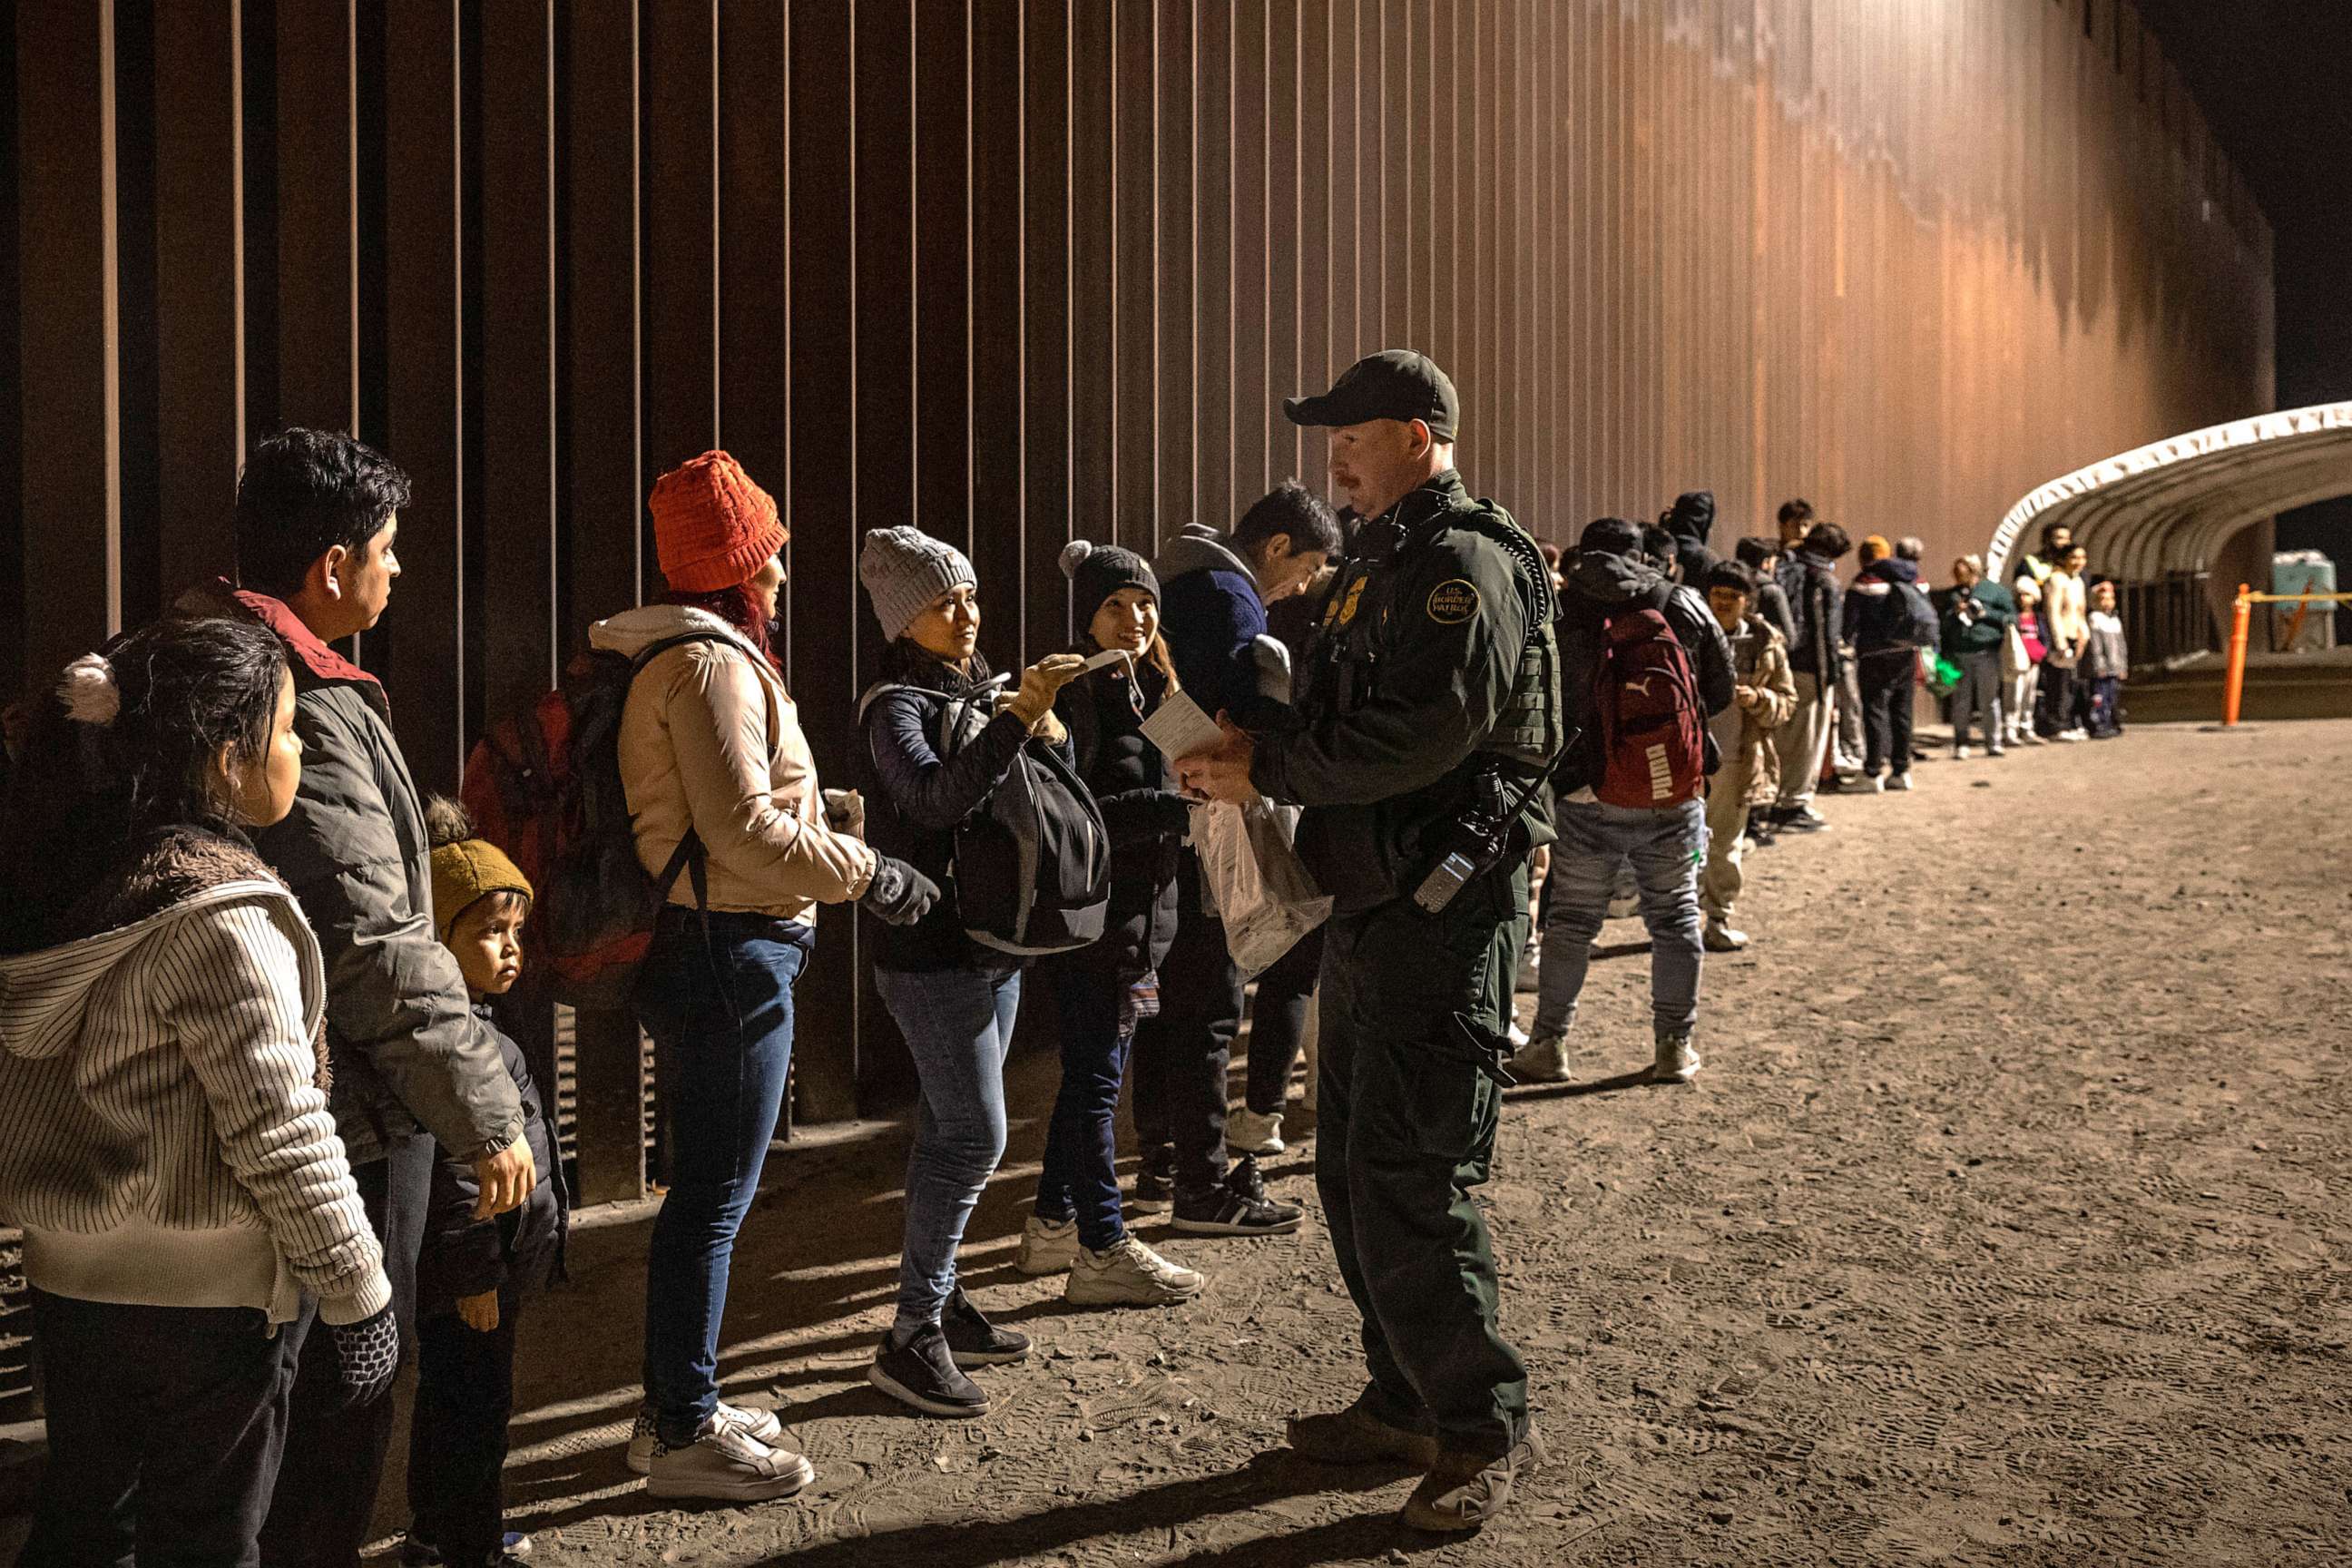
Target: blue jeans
<point>959,1025</point>
<point>720,1013</point>
<point>1080,1178</point>
<point>1666,848</point>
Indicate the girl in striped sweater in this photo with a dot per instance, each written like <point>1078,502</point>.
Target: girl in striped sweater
<point>165,1139</point>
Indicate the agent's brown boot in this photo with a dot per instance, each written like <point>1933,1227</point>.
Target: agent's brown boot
<point>1463,1490</point>
<point>1357,1436</point>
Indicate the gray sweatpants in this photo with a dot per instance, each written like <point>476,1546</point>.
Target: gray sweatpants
<point>1803,740</point>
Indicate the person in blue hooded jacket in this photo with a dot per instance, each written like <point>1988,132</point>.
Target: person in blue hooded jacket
<point>1214,588</point>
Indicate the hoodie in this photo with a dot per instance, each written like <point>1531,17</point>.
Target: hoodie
<point>1599,586</point>
<point>1886,613</point>
<point>710,739</point>
<point>1210,614</point>
<point>1690,521</point>
<point>164,1137</point>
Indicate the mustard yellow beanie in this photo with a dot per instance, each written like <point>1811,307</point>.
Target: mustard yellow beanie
<point>465,869</point>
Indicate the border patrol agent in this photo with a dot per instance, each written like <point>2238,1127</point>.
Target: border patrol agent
<point>1431,707</point>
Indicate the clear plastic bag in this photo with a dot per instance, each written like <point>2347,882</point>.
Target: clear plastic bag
<point>1251,877</point>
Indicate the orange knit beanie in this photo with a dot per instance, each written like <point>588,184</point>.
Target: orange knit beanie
<point>713,528</point>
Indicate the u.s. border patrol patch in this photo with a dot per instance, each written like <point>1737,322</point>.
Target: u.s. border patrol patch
<point>1452,601</point>
<point>1355,594</point>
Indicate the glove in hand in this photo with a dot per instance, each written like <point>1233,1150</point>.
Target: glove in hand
<point>899,895</point>
<point>367,1355</point>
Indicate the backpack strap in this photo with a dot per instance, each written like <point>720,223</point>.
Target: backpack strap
<point>689,856</point>
<point>654,651</point>
<point>951,717</point>
<point>1492,523</point>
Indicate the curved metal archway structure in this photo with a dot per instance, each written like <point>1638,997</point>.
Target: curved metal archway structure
<point>2171,506</point>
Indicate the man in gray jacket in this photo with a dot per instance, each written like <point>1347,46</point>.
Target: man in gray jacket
<point>316,519</point>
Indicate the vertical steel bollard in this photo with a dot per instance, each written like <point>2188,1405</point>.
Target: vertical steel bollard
<point>2234,687</point>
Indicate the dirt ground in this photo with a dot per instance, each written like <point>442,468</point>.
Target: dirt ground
<point>2007,1224</point>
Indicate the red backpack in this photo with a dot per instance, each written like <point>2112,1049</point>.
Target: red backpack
<point>545,787</point>
<point>1646,706</point>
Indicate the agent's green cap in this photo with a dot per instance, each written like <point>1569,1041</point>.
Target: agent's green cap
<point>1395,384</point>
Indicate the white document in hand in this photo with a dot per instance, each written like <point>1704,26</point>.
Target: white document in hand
<point>1180,730</point>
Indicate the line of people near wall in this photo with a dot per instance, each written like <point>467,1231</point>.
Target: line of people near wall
<point>1786,656</point>
<point>267,1138</point>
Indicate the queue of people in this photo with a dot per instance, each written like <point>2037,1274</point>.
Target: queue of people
<point>1769,699</point>
<point>341,1159</point>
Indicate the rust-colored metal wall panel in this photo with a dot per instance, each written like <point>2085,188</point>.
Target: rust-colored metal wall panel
<point>1019,270</point>
<point>199,284</point>
<point>68,517</point>
<point>317,216</point>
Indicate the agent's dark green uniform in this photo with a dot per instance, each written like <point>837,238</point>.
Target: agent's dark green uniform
<point>1436,665</point>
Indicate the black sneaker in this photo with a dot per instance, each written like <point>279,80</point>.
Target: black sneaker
<point>1229,1210</point>
<point>1247,1181</point>
<point>922,1373</point>
<point>417,1550</point>
<point>973,1340</point>
<point>1155,1180</point>
<point>1804,819</point>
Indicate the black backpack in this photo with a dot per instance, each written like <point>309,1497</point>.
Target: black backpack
<point>1031,871</point>
<point>1924,627</point>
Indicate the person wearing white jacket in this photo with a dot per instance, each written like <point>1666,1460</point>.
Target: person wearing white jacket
<point>165,1138</point>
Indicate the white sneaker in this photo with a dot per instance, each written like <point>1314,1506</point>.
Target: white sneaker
<point>1720,938</point>
<point>760,1426</point>
<point>1543,1060</point>
<point>1677,1062</point>
<point>1127,1273</point>
<point>1901,782</point>
<point>1878,784</point>
<point>2073,735</point>
<point>1961,754</point>
<point>1247,1133</point>
<point>726,1463</point>
<point>1518,1035</point>
<point>1048,1246</point>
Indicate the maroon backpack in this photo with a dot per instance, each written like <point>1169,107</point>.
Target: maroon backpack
<point>545,787</point>
<point>1646,708</point>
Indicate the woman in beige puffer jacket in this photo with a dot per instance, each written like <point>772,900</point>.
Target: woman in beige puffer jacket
<point>710,745</point>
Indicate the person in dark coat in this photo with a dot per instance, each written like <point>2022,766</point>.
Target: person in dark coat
<point>1888,620</point>
<point>1101,989</point>
<point>943,738</point>
<point>476,1269</point>
<point>317,525</point>
<point>1817,608</point>
<point>1762,555</point>
<point>1280,1015</point>
<point>1690,519</point>
<point>1666,847</point>
<point>1218,586</point>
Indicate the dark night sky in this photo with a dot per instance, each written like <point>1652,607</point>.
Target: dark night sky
<point>2272,77</point>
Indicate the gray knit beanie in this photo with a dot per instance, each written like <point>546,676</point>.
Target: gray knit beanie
<point>904,569</point>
